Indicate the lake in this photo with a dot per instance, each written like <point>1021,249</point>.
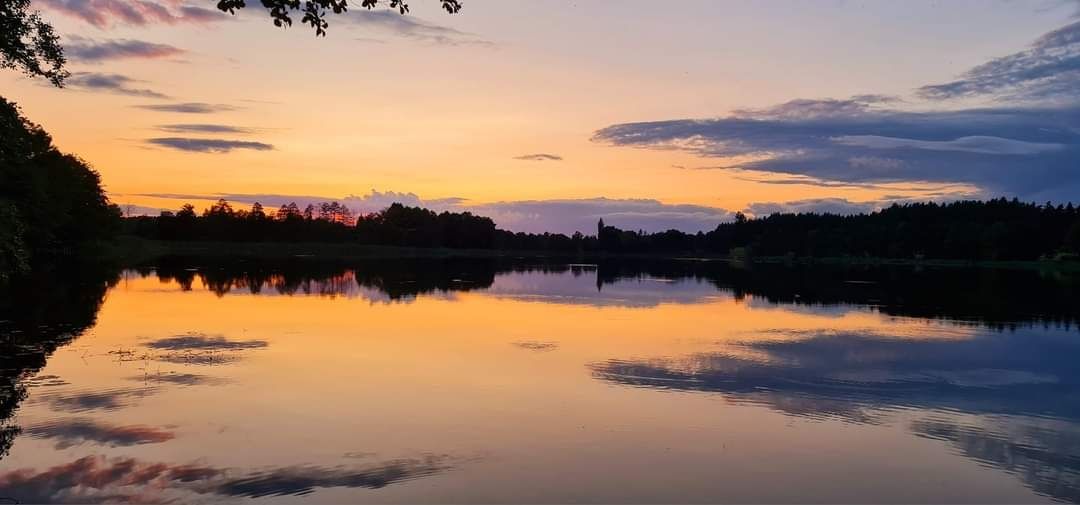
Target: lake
<point>502,380</point>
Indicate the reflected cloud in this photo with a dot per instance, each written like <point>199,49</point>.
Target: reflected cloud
<point>38,381</point>
<point>537,346</point>
<point>97,478</point>
<point>180,379</point>
<point>1019,387</point>
<point>993,373</point>
<point>73,432</point>
<point>204,342</point>
<point>1043,457</point>
<point>103,400</point>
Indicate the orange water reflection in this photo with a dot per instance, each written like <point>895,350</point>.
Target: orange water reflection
<point>533,387</point>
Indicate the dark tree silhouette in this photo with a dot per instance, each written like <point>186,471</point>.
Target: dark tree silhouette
<point>994,230</point>
<point>314,12</point>
<point>52,205</point>
<point>29,44</point>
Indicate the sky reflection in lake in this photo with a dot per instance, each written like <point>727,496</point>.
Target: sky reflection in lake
<point>462,380</point>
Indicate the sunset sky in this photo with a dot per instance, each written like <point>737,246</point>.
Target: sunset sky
<point>548,115</point>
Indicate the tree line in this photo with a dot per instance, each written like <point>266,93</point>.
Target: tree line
<point>998,229</point>
<point>52,205</point>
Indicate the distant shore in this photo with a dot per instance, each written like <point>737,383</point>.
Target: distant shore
<point>132,250</point>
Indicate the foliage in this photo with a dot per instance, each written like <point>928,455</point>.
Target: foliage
<point>967,230</point>
<point>51,204</point>
<point>313,12</point>
<point>29,44</point>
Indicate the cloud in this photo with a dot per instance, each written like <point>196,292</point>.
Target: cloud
<point>534,216</point>
<point>109,83</point>
<point>568,216</point>
<point>72,432</point>
<point>202,342</point>
<point>87,50</point>
<point>973,144</point>
<point>1027,145</point>
<point>204,128</point>
<point>411,27</point>
<point>1026,151</point>
<point>198,145</point>
<point>108,13</point>
<point>373,201</point>
<point>1049,70</point>
<point>188,107</point>
<point>539,157</point>
<point>123,479</point>
<point>139,210</point>
<point>839,206</point>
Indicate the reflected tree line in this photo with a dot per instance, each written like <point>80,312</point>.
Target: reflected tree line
<point>995,298</point>
<point>998,229</point>
<point>39,314</point>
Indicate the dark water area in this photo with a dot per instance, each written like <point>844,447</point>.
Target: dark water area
<point>525,380</point>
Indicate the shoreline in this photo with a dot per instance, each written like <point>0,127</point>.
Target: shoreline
<point>130,250</point>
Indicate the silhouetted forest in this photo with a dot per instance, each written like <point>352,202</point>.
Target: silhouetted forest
<point>966,230</point>
<point>52,205</point>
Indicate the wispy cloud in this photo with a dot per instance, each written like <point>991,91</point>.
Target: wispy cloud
<point>108,13</point>
<point>88,50</point>
<point>188,107</point>
<point>1031,152</point>
<point>539,157</point>
<point>205,128</point>
<point>1049,70</point>
<point>1027,146</point>
<point>389,22</point>
<point>839,206</point>
<point>200,145</point>
<point>110,83</point>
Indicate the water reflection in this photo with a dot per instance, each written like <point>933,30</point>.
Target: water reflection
<point>37,316</point>
<point>1000,298</point>
<point>100,479</point>
<point>252,379</point>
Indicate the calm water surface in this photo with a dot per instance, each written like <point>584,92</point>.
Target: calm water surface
<point>504,381</point>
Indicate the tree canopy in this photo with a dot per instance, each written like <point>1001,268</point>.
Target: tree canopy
<point>314,12</point>
<point>1000,229</point>
<point>29,44</point>
<point>52,205</point>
